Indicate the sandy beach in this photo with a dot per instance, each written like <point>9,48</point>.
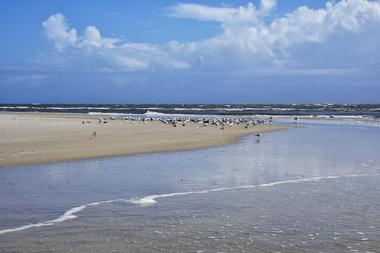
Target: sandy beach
<point>34,138</point>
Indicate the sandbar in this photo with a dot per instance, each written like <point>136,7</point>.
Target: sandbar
<point>38,138</point>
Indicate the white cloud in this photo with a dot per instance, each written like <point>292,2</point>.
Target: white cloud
<point>201,12</point>
<point>247,41</point>
<point>267,5</point>
<point>93,51</point>
<point>92,37</point>
<point>242,14</point>
<point>57,30</point>
<point>344,34</point>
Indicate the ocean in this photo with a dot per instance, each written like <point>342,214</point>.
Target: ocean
<point>354,110</point>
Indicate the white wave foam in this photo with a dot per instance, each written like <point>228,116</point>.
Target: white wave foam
<point>68,215</point>
<point>11,230</point>
<point>110,113</point>
<point>153,113</point>
<point>152,199</point>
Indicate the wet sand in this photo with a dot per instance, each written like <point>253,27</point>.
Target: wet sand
<point>36,138</point>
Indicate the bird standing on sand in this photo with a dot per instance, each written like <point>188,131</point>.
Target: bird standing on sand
<point>94,134</point>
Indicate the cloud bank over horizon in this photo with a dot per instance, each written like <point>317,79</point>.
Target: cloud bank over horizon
<point>342,36</point>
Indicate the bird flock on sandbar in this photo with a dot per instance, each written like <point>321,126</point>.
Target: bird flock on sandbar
<point>221,122</point>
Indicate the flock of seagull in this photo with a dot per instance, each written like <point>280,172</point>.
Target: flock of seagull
<point>204,122</point>
<point>220,122</point>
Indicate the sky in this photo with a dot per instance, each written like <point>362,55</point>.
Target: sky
<point>116,51</point>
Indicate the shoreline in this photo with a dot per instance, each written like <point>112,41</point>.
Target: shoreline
<point>42,138</point>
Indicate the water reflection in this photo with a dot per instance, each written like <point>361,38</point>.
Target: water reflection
<point>37,193</point>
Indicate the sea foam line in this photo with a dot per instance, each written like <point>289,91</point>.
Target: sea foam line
<point>68,215</point>
<point>152,199</point>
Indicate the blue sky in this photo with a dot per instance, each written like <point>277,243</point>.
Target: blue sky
<point>190,51</point>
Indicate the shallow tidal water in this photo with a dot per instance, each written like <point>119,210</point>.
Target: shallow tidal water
<point>314,188</point>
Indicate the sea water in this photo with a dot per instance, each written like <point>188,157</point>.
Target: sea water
<point>312,188</point>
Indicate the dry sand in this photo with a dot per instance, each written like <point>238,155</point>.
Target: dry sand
<point>34,138</point>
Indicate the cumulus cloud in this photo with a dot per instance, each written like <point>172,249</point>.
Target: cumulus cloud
<point>267,5</point>
<point>303,38</point>
<point>343,34</point>
<point>92,37</point>
<point>57,30</point>
<point>93,51</point>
